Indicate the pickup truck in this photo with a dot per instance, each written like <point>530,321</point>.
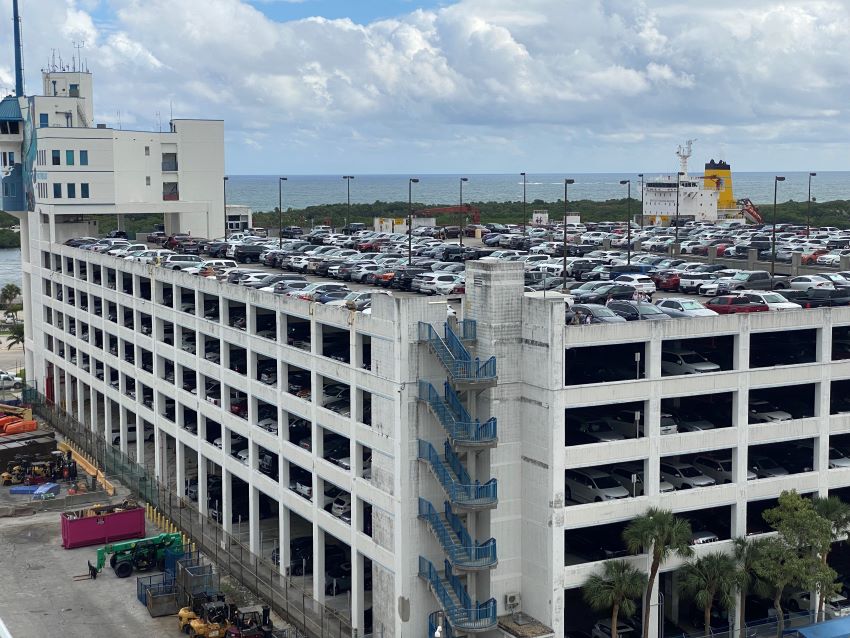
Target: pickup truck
<point>730,305</point>
<point>752,280</point>
<point>818,297</point>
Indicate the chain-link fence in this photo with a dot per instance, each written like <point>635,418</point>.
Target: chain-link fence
<point>231,556</point>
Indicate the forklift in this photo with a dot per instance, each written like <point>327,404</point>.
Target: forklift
<point>193,611</point>
<point>213,620</point>
<point>251,622</point>
<point>141,555</point>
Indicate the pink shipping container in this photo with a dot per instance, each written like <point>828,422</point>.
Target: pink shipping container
<point>81,530</point>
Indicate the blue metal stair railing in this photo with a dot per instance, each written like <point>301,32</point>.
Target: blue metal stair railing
<point>455,357</point>
<point>458,486</point>
<point>455,601</point>
<point>462,552</point>
<point>454,418</point>
<point>434,622</point>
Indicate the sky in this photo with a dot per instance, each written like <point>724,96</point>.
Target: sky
<point>465,86</point>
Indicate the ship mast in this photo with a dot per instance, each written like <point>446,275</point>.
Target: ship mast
<point>683,153</point>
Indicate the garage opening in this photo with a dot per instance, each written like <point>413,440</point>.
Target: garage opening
<point>599,364</point>
<point>784,348</point>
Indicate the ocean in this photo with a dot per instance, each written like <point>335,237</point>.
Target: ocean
<point>260,192</point>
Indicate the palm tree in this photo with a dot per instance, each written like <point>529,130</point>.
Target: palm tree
<point>660,532</point>
<point>746,550</point>
<point>16,335</point>
<point>709,579</point>
<point>9,293</point>
<point>837,512</point>
<point>616,589</point>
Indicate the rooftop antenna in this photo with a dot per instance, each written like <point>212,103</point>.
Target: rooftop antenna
<point>19,51</point>
<point>158,122</point>
<point>119,119</point>
<point>78,60</point>
<point>683,153</point>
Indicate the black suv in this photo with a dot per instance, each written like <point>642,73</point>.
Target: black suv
<point>291,231</point>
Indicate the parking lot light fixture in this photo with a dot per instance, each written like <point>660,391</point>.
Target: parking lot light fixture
<point>567,183</point>
<point>776,180</point>
<point>410,183</point>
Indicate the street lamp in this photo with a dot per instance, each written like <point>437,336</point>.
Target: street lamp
<point>523,202</point>
<point>678,183</point>
<point>225,207</point>
<point>641,200</point>
<point>280,211</point>
<point>410,183</point>
<point>628,184</point>
<point>776,181</point>
<point>462,180</point>
<point>809,208</point>
<point>567,182</point>
<point>348,179</point>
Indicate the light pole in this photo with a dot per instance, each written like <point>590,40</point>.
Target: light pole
<point>280,182</point>
<point>628,184</point>
<point>567,182</point>
<point>348,179</point>
<point>678,183</point>
<point>776,181</point>
<point>809,208</point>
<point>410,183</point>
<point>641,200</point>
<point>460,235</point>
<point>225,207</point>
<point>523,202</point>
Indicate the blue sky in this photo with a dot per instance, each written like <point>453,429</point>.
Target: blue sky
<point>383,86</point>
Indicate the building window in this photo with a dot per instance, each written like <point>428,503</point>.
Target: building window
<point>147,151</point>
<point>42,120</point>
<point>84,158</point>
<point>148,180</point>
<point>74,90</point>
<point>8,128</point>
<point>8,189</point>
<point>69,158</point>
<point>56,156</point>
<point>57,191</point>
<point>72,191</point>
<point>84,191</point>
<point>7,159</point>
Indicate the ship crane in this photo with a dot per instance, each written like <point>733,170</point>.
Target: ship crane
<point>466,209</point>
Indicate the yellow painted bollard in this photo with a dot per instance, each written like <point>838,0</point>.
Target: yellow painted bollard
<point>193,547</point>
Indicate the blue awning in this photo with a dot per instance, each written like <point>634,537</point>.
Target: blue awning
<point>10,110</point>
<point>838,628</point>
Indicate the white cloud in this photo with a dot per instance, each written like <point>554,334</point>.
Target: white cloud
<point>490,81</point>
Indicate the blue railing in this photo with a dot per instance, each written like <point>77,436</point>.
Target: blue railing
<point>467,330</point>
<point>466,554</point>
<point>466,616</point>
<point>455,357</point>
<point>434,622</point>
<point>463,493</point>
<point>455,419</point>
<point>485,551</point>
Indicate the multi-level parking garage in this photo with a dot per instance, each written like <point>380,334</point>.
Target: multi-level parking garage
<point>407,466</point>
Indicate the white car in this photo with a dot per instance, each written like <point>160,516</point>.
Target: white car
<point>194,269</point>
<point>121,251</point>
<point>179,262</point>
<point>687,307</point>
<point>684,476</point>
<point>685,362</point>
<point>8,381</point>
<point>151,256</point>
<point>623,474</point>
<point>808,282</point>
<point>765,412</point>
<point>592,486</point>
<point>718,469</point>
<point>643,283</point>
<point>773,300</point>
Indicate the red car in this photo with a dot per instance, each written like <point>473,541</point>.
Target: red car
<point>666,279</point>
<point>731,305</point>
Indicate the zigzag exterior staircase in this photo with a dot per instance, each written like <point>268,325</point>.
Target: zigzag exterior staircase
<point>463,553</point>
<point>461,490</point>
<point>457,422</point>
<point>461,612</point>
<point>455,357</point>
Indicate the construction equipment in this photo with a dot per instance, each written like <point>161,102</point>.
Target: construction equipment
<point>194,611</point>
<point>251,622</point>
<point>750,211</point>
<point>466,209</point>
<point>39,468</point>
<point>141,555</point>
<point>213,621</point>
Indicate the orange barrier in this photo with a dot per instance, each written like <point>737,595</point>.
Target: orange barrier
<point>21,426</point>
<point>6,420</point>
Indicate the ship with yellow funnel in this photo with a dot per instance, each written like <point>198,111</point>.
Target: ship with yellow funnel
<point>682,198</point>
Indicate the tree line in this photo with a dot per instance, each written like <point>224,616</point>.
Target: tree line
<point>795,556</point>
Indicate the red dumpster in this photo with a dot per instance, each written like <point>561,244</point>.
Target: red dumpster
<point>98,526</point>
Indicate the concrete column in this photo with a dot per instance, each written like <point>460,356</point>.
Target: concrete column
<point>796,264</point>
<point>284,536</point>
<point>651,358</point>
<point>357,589</point>
<point>123,428</point>
<point>81,394</point>
<point>180,477</point>
<point>752,258</point>
<point>254,519</point>
<point>226,505</point>
<point>822,402</point>
<point>109,425</point>
<point>140,434</point>
<point>158,436</point>
<point>318,562</point>
<point>92,408</point>
<point>203,466</point>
